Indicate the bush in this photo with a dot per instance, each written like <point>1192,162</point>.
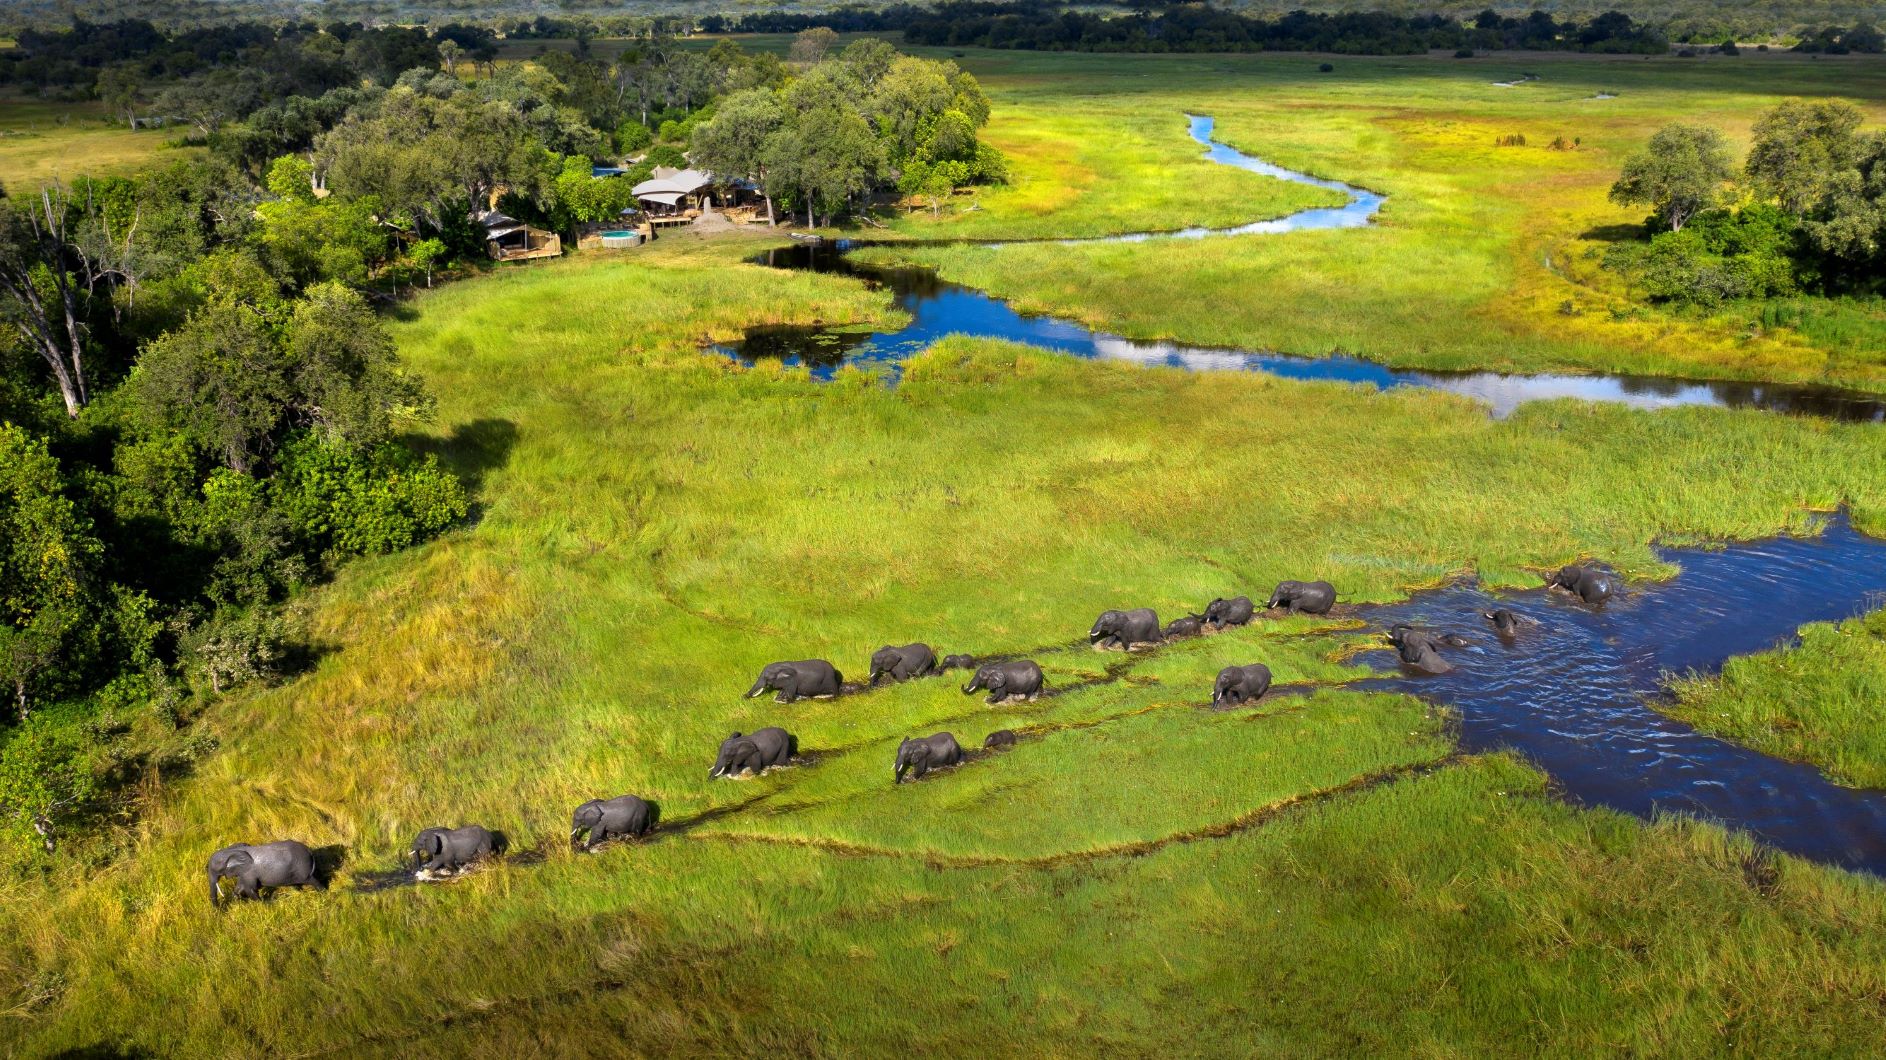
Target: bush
<point>1511,140</point>
<point>1463,53</point>
<point>666,155</point>
<point>1720,256</point>
<point>632,136</point>
<point>350,501</point>
<point>1326,68</point>
<point>237,649</point>
<point>48,768</point>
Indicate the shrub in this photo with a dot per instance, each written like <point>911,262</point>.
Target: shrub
<point>237,649</point>
<point>632,136</point>
<point>1511,140</point>
<point>1326,68</point>
<point>1463,53</point>
<point>364,501</point>
<point>666,155</point>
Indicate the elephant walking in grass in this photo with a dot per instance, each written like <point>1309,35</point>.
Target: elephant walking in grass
<point>920,756</point>
<point>451,849</point>
<point>999,739</point>
<point>1123,629</point>
<point>1589,584</point>
<point>756,751</point>
<point>902,664</point>
<point>1236,611</point>
<point>957,662</point>
<point>1006,681</point>
<point>1308,598</point>
<point>806,679</point>
<point>606,819</point>
<point>285,863</point>
<point>1237,685</point>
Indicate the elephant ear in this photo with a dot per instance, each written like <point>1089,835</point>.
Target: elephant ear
<point>237,860</point>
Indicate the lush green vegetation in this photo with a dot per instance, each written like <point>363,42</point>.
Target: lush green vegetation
<point>1510,238</point>
<point>43,141</point>
<point>591,633</point>
<point>1817,702</point>
<point>1320,874</point>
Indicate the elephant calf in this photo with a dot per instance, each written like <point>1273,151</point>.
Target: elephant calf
<point>1308,598</point>
<point>451,849</point>
<point>756,751</point>
<point>957,662</point>
<point>1123,629</point>
<point>285,863</point>
<point>806,679</point>
<point>1236,611</point>
<point>606,819</point>
<point>902,664</point>
<point>931,752</point>
<point>1589,584</point>
<point>998,739</point>
<point>1189,626</point>
<point>1240,684</point>
<point>1006,681</point>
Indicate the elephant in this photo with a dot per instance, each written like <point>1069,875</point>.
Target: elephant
<point>757,751</point>
<point>1309,598</point>
<point>606,819</point>
<point>1589,584</point>
<point>451,849</point>
<point>285,863</point>
<point>1506,623</point>
<point>1236,611</point>
<point>806,679</point>
<point>956,662</point>
<point>902,664</point>
<point>998,739</point>
<point>931,752</point>
<point>1240,684</point>
<point>1123,629</point>
<point>1009,680</point>
<point>1418,649</point>
<point>1189,626</point>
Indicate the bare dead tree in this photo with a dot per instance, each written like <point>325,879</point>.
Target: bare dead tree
<point>45,307</point>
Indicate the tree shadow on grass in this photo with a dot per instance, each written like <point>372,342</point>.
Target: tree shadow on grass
<point>1613,233</point>
<point>472,451</point>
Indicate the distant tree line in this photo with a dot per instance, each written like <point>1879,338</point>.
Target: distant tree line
<point>1805,211</point>
<point>1047,26</point>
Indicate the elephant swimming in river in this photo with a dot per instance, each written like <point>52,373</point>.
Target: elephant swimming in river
<point>1236,611</point>
<point>998,739</point>
<point>756,751</point>
<point>1589,584</point>
<point>451,849</point>
<point>902,664</point>
<point>285,863</point>
<point>1418,649</point>
<point>1123,629</point>
<point>1240,684</point>
<point>1189,626</point>
<point>806,679</point>
<point>1506,623</point>
<point>932,752</point>
<point>1309,598</point>
<point>606,819</point>
<point>1010,680</point>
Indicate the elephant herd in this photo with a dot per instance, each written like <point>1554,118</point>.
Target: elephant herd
<point>288,863</point>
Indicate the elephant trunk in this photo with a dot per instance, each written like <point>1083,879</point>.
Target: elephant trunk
<point>758,687</point>
<point>577,831</point>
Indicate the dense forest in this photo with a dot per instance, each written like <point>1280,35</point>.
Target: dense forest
<point>201,414</point>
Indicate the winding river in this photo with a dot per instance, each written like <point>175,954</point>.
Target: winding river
<point>1573,692</point>
<point>938,308</point>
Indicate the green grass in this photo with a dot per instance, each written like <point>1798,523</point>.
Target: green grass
<point>1483,257</point>
<point>41,142</point>
<point>1315,876</point>
<point>1816,702</point>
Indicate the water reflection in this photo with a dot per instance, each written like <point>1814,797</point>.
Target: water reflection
<point>938,308</point>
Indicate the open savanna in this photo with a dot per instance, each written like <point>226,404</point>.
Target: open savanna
<point>42,141</point>
<point>1483,256</point>
<point>1320,874</point>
